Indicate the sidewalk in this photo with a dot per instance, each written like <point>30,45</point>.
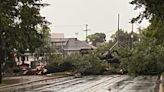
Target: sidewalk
<point>34,78</point>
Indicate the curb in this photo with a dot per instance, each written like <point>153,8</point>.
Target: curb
<point>161,84</point>
<point>28,82</point>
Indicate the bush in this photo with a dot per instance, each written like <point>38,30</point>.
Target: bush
<point>55,59</point>
<point>94,63</point>
<point>86,64</point>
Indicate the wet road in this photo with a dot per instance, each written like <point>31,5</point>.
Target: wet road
<point>107,83</point>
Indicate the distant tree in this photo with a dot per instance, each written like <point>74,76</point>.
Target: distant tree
<point>97,38</point>
<point>125,38</point>
<point>104,47</point>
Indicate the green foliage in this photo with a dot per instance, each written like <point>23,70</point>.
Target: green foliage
<point>95,64</point>
<point>97,38</point>
<point>19,20</point>
<point>87,64</point>
<point>123,50</point>
<point>49,55</point>
<point>155,30</point>
<point>154,11</point>
<point>152,8</point>
<point>104,47</point>
<point>148,55</point>
<point>55,58</point>
<point>45,51</point>
<point>77,61</point>
<point>19,23</point>
<point>124,43</point>
<point>146,58</point>
<point>124,37</point>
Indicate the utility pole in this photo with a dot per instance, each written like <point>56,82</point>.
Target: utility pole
<point>118,30</point>
<point>86,32</point>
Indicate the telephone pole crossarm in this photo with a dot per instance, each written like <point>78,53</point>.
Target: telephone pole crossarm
<point>86,32</point>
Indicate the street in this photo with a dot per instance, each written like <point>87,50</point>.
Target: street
<point>99,83</point>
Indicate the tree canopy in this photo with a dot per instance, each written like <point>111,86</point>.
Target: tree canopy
<point>19,23</point>
<point>124,37</point>
<point>154,11</point>
<point>152,8</point>
<point>97,38</point>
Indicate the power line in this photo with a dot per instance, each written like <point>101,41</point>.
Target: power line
<point>69,25</point>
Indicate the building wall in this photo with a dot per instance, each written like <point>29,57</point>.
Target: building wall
<point>28,59</point>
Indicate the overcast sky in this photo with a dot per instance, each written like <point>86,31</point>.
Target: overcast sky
<point>70,16</point>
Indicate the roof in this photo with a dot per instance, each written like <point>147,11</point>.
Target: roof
<point>75,44</point>
<point>60,40</point>
<point>72,44</point>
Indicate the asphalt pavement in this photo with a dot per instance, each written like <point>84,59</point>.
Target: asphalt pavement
<point>99,83</point>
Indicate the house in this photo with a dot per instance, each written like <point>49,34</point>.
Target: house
<point>71,45</point>
<point>66,45</point>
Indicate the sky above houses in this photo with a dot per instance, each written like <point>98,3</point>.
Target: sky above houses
<point>70,16</point>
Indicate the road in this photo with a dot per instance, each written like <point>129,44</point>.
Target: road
<point>99,83</point>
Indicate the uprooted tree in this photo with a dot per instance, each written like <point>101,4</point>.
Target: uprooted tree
<point>147,55</point>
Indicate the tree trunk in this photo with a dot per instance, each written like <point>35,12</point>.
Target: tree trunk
<point>1,58</point>
<point>0,69</point>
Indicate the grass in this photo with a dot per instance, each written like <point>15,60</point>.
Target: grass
<point>163,87</point>
<point>64,74</point>
<point>6,82</point>
<point>9,82</point>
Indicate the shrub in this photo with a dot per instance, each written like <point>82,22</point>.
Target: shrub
<point>95,65</point>
<point>86,64</point>
<point>55,59</point>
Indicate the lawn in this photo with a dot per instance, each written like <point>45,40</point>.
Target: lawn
<point>9,82</point>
